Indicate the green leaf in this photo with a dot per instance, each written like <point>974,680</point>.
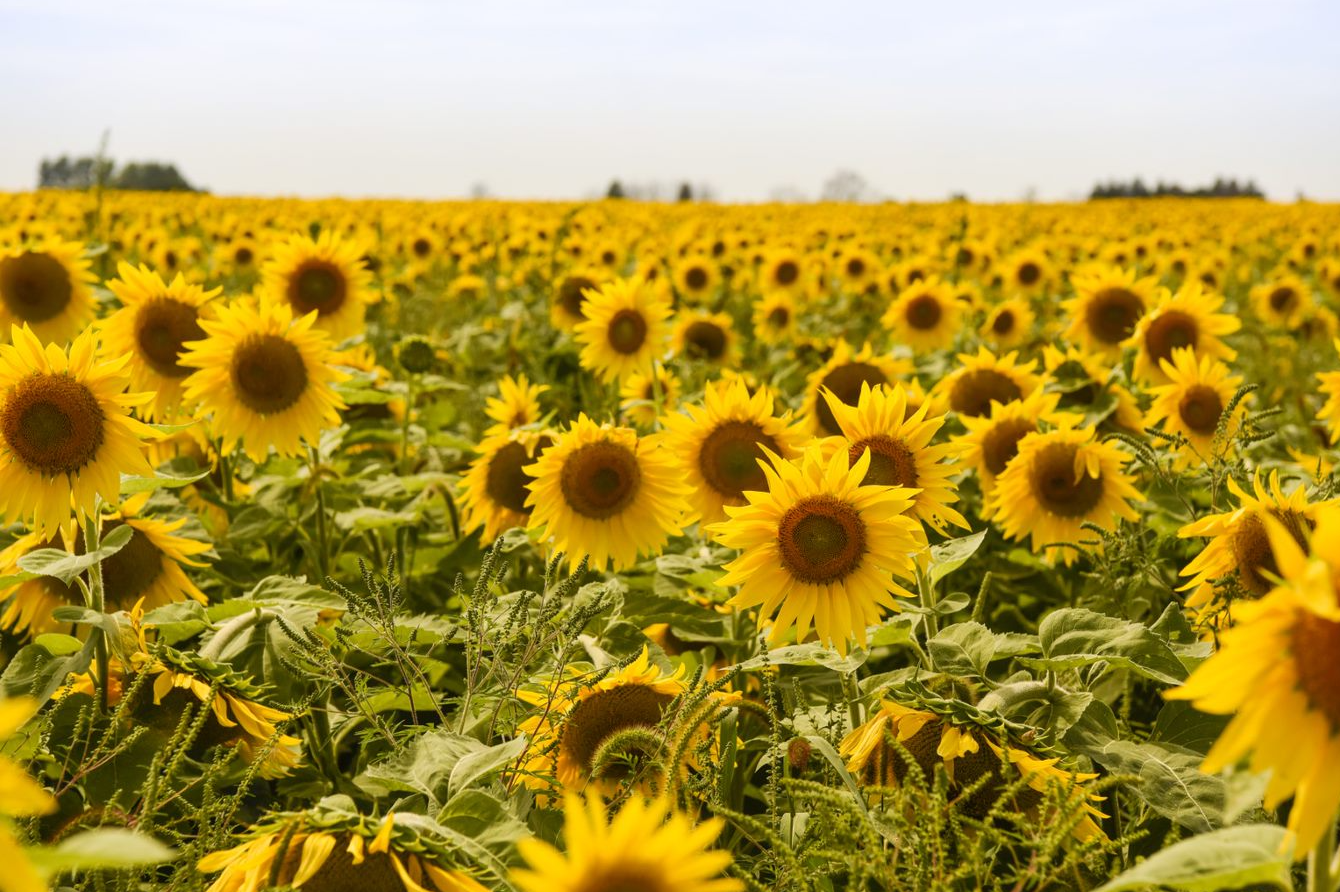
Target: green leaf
<point>59,645</point>
<point>1052,706</point>
<point>65,566</point>
<point>1232,858</point>
<point>967,648</point>
<point>360,519</point>
<point>130,484</point>
<point>1074,637</point>
<point>481,763</point>
<point>1180,724</point>
<point>949,556</point>
<point>103,848</point>
<point>812,654</point>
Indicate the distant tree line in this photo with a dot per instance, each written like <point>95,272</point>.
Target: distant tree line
<point>85,173</point>
<point>1136,188</point>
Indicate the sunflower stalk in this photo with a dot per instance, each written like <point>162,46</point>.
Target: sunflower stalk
<point>96,594</point>
<point>1322,862</point>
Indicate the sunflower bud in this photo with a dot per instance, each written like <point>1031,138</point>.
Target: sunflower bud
<point>798,753</point>
<point>416,354</point>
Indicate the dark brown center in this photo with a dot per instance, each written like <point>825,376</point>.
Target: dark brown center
<point>601,479</point>
<point>52,423</point>
<point>821,539</point>
<point>34,287</point>
<point>1054,484</point>
<point>729,458</point>
<point>162,325</point>
<point>268,374</point>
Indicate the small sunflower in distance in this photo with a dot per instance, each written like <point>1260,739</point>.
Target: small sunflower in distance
<point>1107,305</point>
<point>516,405</point>
<point>602,492</point>
<point>571,292</point>
<point>326,275</point>
<point>496,487</point>
<point>265,377</point>
<point>66,434</point>
<point>821,547</point>
<point>774,318</point>
<point>154,321</point>
<point>901,453</point>
<point>925,316</point>
<point>719,444</point>
<point>1189,318</point>
<point>1283,302</point>
<point>1193,403</point>
<point>1009,324</point>
<point>1059,481</point>
<point>45,286</point>
<point>639,397</point>
<point>625,329</point>
<point>709,337</point>
<point>647,847</point>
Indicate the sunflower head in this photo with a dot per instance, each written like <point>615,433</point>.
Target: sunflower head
<point>983,380</point>
<point>625,329</point>
<point>1107,305</point>
<point>925,315</point>
<point>843,375</point>
<point>1194,405</point>
<point>44,286</point>
<point>1189,318</point>
<point>325,276</point>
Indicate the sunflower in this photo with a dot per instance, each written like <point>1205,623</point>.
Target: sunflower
<point>1085,384</point>
<point>516,405</point>
<point>65,432</point>
<point>984,379</point>
<point>1059,481</point>
<point>467,288</point>
<point>1329,387</point>
<point>1282,303</point>
<point>154,321</point>
<point>571,293</point>
<point>326,276</point>
<point>719,444</point>
<point>20,797</point>
<point>696,278</point>
<point>843,375</point>
<point>45,286</point>
<point>1276,673</point>
<point>600,491</point>
<point>925,316</point>
<point>327,849</point>
<point>782,272</point>
<point>991,442</point>
<point>495,489</point>
<point>1009,324</point>
<point>857,268</point>
<point>1193,403</point>
<point>1107,305</point>
<point>264,377</point>
<point>820,546</point>
<point>639,398</point>
<point>639,849</point>
<point>1189,318</point>
<point>1028,271</point>
<point>709,337</point>
<point>774,318</point>
<point>976,753</point>
<point>625,329</point>
<point>901,453</point>
<point>1239,547</point>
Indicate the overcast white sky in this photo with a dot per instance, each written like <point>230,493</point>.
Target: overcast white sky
<point>547,100</point>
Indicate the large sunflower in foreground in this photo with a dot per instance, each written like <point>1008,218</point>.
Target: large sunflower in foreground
<point>45,286</point>
<point>1193,405</point>
<point>265,377</point>
<point>976,753</point>
<point>1059,481</point>
<point>66,435</point>
<point>154,321</point>
<point>625,329</point>
<point>984,379</point>
<point>640,849</point>
<point>1106,307</point>
<point>327,849</point>
<point>496,487</point>
<point>1189,318</point>
<point>901,453</point>
<point>1239,547</point>
<point>844,374</point>
<point>821,547</point>
<point>1276,673</point>
<point>719,444</point>
<point>925,316</point>
<point>516,405</point>
<point>602,492</point>
<point>325,275</point>
<point>992,442</point>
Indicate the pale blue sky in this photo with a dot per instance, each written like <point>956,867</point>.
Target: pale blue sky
<point>548,100</point>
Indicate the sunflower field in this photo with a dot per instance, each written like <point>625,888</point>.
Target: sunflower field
<point>615,546</point>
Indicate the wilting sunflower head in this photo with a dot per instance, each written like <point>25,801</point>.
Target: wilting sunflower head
<point>1190,318</point>
<point>669,854</point>
<point>708,337</point>
<point>1087,385</point>
<point>843,375</point>
<point>820,547</point>
<point>984,379</point>
<point>602,492</point>
<point>720,443</point>
<point>925,315</point>
<point>1108,303</point>
<point>66,435</point>
<point>1059,481</point>
<point>1194,405</point>
<point>264,377</point>
<point>45,287</point>
<point>416,354</point>
<point>325,276</point>
<point>625,329</point>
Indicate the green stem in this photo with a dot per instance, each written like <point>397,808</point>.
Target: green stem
<point>1321,862</point>
<point>404,425</point>
<point>97,601</point>
<point>322,538</point>
<point>926,593</point>
<point>853,695</point>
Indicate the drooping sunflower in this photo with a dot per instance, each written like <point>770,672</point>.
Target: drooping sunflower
<point>265,377</point>
<point>1106,307</point>
<point>901,453</point>
<point>640,849</point>
<point>774,318</point>
<point>1193,404</point>
<point>991,442</point>
<point>1189,318</point>
<point>1240,548</point>
<point>45,286</point>
<point>843,374</point>
<point>326,275</point>
<point>719,444</point>
<point>1060,480</point>
<point>329,849</point>
<point>1008,324</point>
<point>984,379</point>
<point>977,753</point>
<point>516,405</point>
<point>495,489</point>
<point>925,315</point>
<point>639,397</point>
<point>571,292</point>
<point>821,547</point>
<point>154,321</point>
<point>709,337</point>
<point>625,329</point>
<point>1283,302</point>
<point>66,435</point>
<point>602,492</point>
<point>1276,673</point>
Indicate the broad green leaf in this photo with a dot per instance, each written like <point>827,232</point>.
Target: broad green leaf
<point>359,519</point>
<point>1075,637</point>
<point>65,566</point>
<point>1039,704</point>
<point>1232,858</point>
<point>103,848</point>
<point>812,654</point>
<point>480,763</point>
<point>967,648</point>
<point>131,484</point>
<point>59,645</point>
<point>949,556</point>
